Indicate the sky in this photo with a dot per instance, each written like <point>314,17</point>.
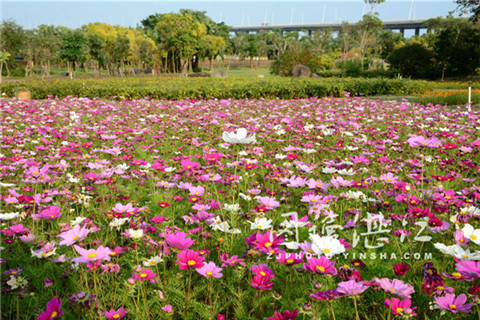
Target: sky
<point>74,14</point>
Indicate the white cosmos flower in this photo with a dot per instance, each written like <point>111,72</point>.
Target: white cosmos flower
<point>470,210</point>
<point>260,224</point>
<point>450,250</point>
<point>463,254</point>
<point>117,223</point>
<point>231,207</point>
<point>329,170</point>
<point>471,233</point>
<point>348,172</point>
<point>77,220</point>
<point>170,169</point>
<point>239,137</point>
<point>135,234</point>
<point>329,246</point>
<point>152,261</point>
<point>9,216</point>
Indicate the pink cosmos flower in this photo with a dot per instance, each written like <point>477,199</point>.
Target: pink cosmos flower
<point>167,308</point>
<point>268,243</point>
<point>196,191</point>
<point>233,261</point>
<point>262,270</point>
<point>285,315</point>
<point>77,233</point>
<point>401,269</point>
<point>400,308</point>
<point>320,265</point>
<point>210,270</point>
<point>452,304</point>
<point>189,259</point>
<point>50,213</point>
<point>396,287</point>
<point>144,274</point>
<point>115,314</point>
<point>469,268</point>
<point>289,259</point>
<point>53,310</point>
<point>261,283</point>
<point>351,288</point>
<point>179,240</point>
<point>101,253</point>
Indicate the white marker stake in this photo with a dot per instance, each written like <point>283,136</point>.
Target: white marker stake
<point>469,97</point>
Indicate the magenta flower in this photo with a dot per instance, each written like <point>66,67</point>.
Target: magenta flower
<point>400,308</point>
<point>50,213</point>
<point>53,310</point>
<point>179,240</point>
<point>468,268</point>
<point>115,314</point>
<point>320,265</point>
<point>285,315</point>
<point>189,259</point>
<point>167,308</point>
<point>396,287</point>
<point>261,283</point>
<point>452,304</point>
<point>262,270</point>
<point>327,295</point>
<point>351,288</point>
<point>144,274</point>
<point>101,253</point>
<point>77,233</point>
<point>268,243</point>
<point>210,270</point>
<point>289,259</point>
<point>233,261</point>
<point>401,269</point>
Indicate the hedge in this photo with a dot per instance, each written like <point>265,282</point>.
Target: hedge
<point>222,88</point>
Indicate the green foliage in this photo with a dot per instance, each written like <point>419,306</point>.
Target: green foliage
<point>414,60</point>
<point>284,63</point>
<point>237,88</point>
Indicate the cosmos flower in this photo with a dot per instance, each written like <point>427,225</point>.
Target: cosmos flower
<point>210,270</point>
<point>53,310</point>
<point>454,304</point>
<point>115,314</point>
<point>240,137</point>
<point>73,235</point>
<point>86,256</point>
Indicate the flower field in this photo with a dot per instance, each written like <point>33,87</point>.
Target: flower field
<point>331,208</point>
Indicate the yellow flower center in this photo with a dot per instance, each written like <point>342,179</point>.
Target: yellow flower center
<point>191,262</point>
<point>152,262</point>
<point>452,306</point>
<point>399,310</point>
<point>473,237</point>
<point>263,274</point>
<point>268,244</point>
<point>53,315</point>
<point>92,255</point>
<point>465,255</point>
<point>290,261</point>
<point>143,275</point>
<point>456,275</point>
<point>75,237</point>
<point>448,198</point>
<point>326,250</point>
<point>116,316</point>
<point>259,227</point>
<point>36,173</point>
<point>321,268</point>
<point>209,273</point>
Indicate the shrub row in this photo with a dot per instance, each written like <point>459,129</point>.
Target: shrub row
<point>236,88</point>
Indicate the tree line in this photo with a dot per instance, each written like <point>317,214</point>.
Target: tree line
<point>177,42</point>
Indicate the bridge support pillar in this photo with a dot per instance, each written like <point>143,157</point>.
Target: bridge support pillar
<point>417,31</point>
<point>402,31</point>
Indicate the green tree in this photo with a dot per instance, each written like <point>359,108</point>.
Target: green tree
<point>470,7</point>
<point>72,49</point>
<point>415,59</point>
<point>12,38</point>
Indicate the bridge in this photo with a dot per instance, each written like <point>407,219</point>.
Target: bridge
<point>400,25</point>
